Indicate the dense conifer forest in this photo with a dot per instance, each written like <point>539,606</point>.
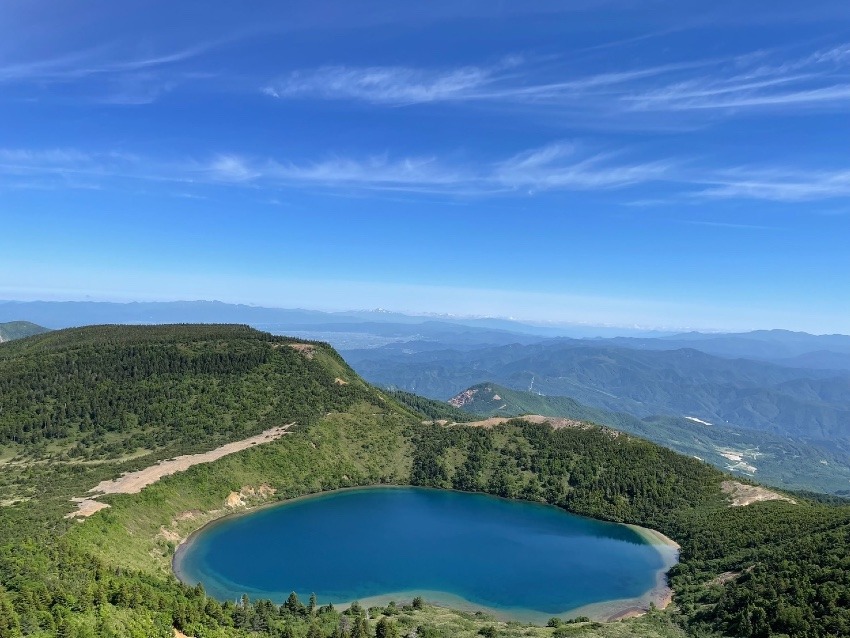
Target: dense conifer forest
<point>82,405</point>
<point>105,391</point>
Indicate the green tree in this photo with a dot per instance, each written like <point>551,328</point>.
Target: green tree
<point>386,629</point>
<point>10,626</point>
<point>293,605</point>
<point>361,628</point>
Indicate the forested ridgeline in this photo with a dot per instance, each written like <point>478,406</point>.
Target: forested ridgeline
<point>104,391</point>
<point>766,569</point>
<point>592,470</point>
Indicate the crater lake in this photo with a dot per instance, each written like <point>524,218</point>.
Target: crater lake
<point>515,559</point>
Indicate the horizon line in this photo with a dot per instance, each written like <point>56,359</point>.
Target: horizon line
<point>533,323</point>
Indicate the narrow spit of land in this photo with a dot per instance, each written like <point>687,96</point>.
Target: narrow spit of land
<point>135,482</point>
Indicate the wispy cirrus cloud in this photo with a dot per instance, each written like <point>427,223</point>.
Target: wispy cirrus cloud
<point>62,162</point>
<point>821,79</point>
<point>778,184</point>
<point>557,167</point>
<point>104,74</point>
<point>563,167</point>
<point>508,81</point>
<point>96,61</point>
<point>756,80</point>
<point>384,85</point>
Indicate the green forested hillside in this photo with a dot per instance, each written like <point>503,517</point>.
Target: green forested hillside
<point>11,330</point>
<point>787,463</point>
<point>104,391</point>
<point>767,569</point>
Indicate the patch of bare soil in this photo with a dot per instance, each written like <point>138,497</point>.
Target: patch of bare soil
<point>741,495</point>
<point>86,507</point>
<point>339,381</point>
<point>248,495</point>
<point>556,423</point>
<point>134,482</point>
<point>467,396</point>
<point>307,349</point>
<point>724,578</point>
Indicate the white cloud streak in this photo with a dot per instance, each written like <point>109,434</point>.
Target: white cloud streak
<point>383,85</point>
<point>399,86</point>
<point>558,167</point>
<point>819,79</point>
<point>103,74</point>
<point>780,185</point>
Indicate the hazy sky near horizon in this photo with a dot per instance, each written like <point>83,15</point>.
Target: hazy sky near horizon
<point>662,164</point>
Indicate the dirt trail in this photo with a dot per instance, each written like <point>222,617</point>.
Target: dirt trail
<point>135,482</point>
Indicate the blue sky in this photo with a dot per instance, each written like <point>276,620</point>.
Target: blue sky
<point>653,164</point>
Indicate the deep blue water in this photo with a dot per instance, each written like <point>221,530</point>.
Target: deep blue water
<point>360,544</point>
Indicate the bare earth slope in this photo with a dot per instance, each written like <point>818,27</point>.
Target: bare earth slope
<point>741,494</point>
<point>135,482</point>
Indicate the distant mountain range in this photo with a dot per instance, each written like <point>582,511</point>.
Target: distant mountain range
<point>793,349</point>
<point>357,329</point>
<point>65,314</point>
<point>814,404</point>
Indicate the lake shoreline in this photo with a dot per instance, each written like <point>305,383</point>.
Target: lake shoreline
<point>613,610</point>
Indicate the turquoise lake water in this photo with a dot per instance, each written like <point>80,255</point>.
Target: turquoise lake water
<point>525,560</point>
